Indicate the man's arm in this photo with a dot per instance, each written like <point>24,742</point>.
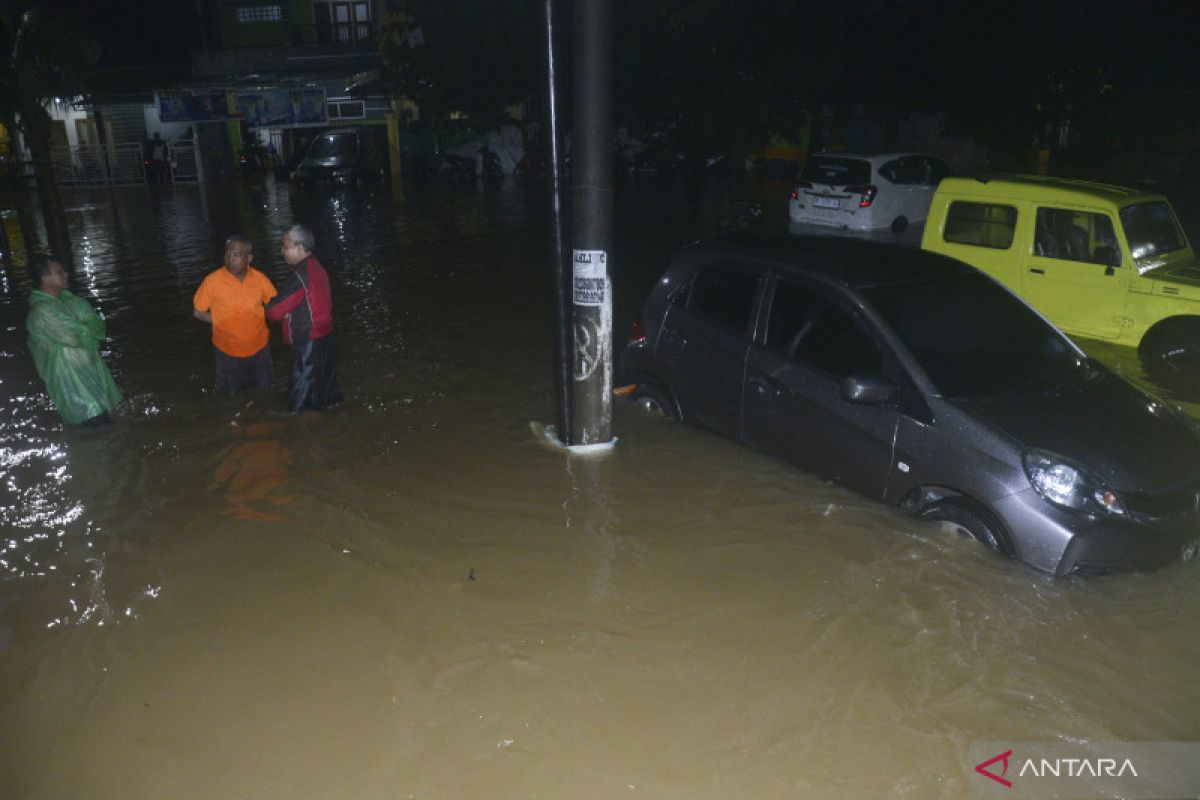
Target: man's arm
<point>283,305</point>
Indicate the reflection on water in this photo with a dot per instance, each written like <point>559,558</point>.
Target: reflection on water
<point>411,596</point>
<point>253,474</point>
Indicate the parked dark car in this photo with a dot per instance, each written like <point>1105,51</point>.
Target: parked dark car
<point>342,155</point>
<point>919,381</point>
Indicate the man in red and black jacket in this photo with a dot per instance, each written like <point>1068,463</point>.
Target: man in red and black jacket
<point>305,306</point>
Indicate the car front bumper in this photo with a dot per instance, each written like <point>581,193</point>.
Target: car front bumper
<point>1063,543</point>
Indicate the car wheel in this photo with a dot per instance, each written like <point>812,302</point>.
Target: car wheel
<point>1175,340</point>
<point>969,519</point>
<point>899,224</point>
<point>652,401</point>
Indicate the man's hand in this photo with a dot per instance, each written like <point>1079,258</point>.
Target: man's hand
<point>203,316</point>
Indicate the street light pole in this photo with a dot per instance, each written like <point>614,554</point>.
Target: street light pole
<point>592,223</point>
<point>551,138</point>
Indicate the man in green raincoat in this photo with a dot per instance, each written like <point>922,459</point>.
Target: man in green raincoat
<point>64,337</point>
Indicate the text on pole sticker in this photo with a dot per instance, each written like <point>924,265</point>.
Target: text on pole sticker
<point>591,277</point>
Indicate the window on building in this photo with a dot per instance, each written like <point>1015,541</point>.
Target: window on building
<point>346,109</point>
<point>259,13</point>
<point>344,22</point>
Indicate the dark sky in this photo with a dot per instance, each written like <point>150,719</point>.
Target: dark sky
<point>137,32</point>
<point>939,50</point>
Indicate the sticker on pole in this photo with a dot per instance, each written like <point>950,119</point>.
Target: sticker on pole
<point>591,277</point>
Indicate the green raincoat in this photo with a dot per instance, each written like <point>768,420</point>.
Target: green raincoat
<point>64,337</point>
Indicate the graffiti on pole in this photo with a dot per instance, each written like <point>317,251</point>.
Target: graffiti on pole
<point>587,349</point>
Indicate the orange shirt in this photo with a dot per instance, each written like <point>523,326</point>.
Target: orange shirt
<point>239,327</point>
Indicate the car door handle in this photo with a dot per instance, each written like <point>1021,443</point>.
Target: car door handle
<point>1037,271</point>
<point>765,387</point>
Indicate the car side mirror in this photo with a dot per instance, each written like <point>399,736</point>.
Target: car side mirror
<point>868,389</point>
<point>1109,256</point>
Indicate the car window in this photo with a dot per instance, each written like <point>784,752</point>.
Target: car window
<point>332,147</point>
<point>793,309</point>
<point>836,343</point>
<point>938,170</point>
<point>980,224</point>
<point>894,171</point>
<point>1073,235</point>
<point>836,171</point>
<point>1151,229</point>
<point>973,338</point>
<point>725,295</point>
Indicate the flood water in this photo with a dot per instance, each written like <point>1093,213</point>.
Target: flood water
<point>413,596</point>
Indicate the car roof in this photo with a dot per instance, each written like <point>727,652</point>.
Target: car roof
<point>1036,187</point>
<point>855,263</point>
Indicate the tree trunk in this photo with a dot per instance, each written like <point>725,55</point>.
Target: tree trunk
<point>53,214</point>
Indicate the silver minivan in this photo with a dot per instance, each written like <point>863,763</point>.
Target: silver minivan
<point>866,192</point>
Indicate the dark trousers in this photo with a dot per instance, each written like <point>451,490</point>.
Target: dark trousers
<point>313,383</point>
<point>236,374</point>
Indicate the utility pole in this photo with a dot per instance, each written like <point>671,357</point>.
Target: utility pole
<point>592,223</point>
<point>551,139</point>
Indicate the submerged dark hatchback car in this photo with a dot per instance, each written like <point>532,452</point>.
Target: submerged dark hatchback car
<point>921,382</point>
<point>341,155</point>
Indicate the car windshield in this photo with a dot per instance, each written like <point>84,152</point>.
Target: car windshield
<point>331,147</point>
<point>836,171</point>
<point>1151,229</point>
<point>973,338</point>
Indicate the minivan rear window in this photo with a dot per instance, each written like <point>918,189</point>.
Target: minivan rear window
<point>980,224</point>
<point>836,171</point>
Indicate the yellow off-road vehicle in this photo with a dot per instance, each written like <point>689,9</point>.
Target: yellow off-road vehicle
<point>1099,261</point>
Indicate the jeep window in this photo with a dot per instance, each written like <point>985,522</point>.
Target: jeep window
<point>973,338</point>
<point>980,224</point>
<point>1073,235</point>
<point>725,295</point>
<point>834,171</point>
<point>1151,229</point>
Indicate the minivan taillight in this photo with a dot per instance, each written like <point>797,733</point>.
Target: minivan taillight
<point>866,194</point>
<point>637,333</point>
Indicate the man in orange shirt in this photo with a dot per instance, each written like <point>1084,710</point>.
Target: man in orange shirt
<point>232,299</point>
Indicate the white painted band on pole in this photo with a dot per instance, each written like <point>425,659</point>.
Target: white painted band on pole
<point>590,277</point>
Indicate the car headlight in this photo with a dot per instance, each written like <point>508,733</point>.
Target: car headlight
<point>1069,485</point>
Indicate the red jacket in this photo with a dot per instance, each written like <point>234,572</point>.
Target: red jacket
<point>305,304</point>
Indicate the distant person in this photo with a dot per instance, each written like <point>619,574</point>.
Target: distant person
<point>305,307</point>
<point>158,156</point>
<point>64,337</point>
<point>232,299</point>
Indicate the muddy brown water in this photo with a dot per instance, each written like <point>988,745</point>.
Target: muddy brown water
<point>413,596</point>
